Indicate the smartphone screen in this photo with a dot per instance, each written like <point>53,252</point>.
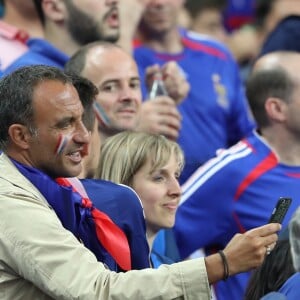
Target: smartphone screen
<point>280,210</point>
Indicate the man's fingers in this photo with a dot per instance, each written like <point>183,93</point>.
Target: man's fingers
<point>167,131</point>
<point>171,123</point>
<point>270,240</point>
<point>165,106</point>
<point>264,230</point>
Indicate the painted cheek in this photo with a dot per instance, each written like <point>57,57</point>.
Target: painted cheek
<point>62,142</point>
<point>101,115</point>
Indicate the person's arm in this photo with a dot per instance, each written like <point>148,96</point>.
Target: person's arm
<point>49,260</point>
<point>40,255</point>
<point>130,12</point>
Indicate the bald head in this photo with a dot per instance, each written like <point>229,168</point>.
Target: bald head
<point>280,59</point>
<point>107,59</point>
<point>274,75</point>
<point>78,60</point>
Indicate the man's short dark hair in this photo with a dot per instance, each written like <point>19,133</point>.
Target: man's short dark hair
<point>87,92</point>
<point>16,93</point>
<point>263,84</point>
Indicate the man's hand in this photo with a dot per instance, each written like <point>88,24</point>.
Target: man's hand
<point>247,251</point>
<point>160,116</point>
<point>130,12</point>
<point>244,252</point>
<point>174,80</point>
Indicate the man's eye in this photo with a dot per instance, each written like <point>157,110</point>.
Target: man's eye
<point>64,124</point>
<point>110,88</point>
<point>135,85</point>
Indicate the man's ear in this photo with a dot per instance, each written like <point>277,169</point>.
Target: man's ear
<point>276,109</point>
<point>19,136</point>
<point>54,10</point>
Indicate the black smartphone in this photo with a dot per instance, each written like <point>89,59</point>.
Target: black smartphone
<point>280,210</point>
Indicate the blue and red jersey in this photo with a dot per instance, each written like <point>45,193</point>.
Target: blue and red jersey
<point>40,51</point>
<point>215,114</point>
<point>232,193</point>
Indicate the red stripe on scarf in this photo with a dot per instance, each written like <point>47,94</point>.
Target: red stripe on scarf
<point>111,237</point>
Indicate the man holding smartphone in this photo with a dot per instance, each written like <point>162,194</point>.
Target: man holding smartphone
<point>238,189</point>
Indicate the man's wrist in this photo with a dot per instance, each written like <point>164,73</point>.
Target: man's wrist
<point>214,268</point>
<point>225,265</point>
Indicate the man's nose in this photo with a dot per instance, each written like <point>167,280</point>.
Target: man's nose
<point>126,93</point>
<point>81,135</point>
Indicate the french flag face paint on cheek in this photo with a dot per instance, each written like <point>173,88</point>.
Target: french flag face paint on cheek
<point>101,115</point>
<point>62,143</point>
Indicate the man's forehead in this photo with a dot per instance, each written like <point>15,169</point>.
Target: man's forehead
<point>54,93</point>
<point>100,55</point>
<point>114,73</point>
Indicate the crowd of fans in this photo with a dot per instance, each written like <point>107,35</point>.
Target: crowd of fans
<point>107,192</point>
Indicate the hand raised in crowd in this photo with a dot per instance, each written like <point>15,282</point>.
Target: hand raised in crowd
<point>131,12</point>
<point>246,251</point>
<point>160,116</point>
<point>175,82</point>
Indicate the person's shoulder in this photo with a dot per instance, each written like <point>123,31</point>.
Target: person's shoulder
<point>14,186</point>
<point>104,184</point>
<point>232,156</point>
<point>111,189</point>
<point>39,45</point>
<point>28,58</point>
<point>7,182</point>
<point>228,163</point>
<point>13,33</point>
<point>285,36</point>
<point>291,287</point>
<point>40,52</point>
<point>205,44</point>
<point>274,296</point>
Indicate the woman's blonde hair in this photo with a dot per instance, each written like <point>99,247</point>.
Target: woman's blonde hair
<point>123,154</point>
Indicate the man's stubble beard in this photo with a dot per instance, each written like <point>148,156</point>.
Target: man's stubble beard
<point>84,29</point>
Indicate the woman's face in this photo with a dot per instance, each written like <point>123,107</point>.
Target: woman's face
<point>160,193</point>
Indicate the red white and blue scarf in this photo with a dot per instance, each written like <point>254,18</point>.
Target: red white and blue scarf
<point>77,214</point>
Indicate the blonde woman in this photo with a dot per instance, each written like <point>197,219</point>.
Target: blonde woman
<point>151,165</point>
